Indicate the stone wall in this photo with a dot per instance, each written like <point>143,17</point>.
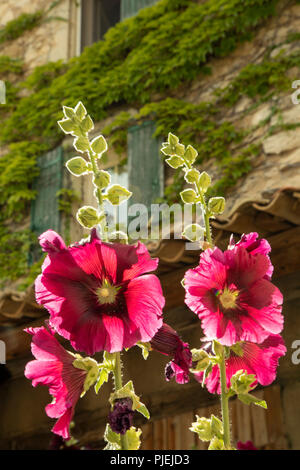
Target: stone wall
<point>54,39</point>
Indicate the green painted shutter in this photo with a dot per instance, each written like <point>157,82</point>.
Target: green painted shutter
<point>44,209</point>
<point>145,166</point>
<point>131,7</point>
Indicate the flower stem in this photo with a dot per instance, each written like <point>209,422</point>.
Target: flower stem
<point>98,195</point>
<point>118,384</point>
<point>224,402</point>
<point>200,194</point>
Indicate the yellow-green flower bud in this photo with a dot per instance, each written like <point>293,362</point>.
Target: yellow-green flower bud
<point>202,427</point>
<point>175,161</point>
<point>241,382</point>
<point>99,145</point>
<point>216,205</point>
<point>204,181</point>
<point>88,216</point>
<point>202,358</point>
<point>101,179</point>
<point>117,194</point>
<point>188,196</point>
<point>77,166</point>
<point>80,111</point>
<point>81,143</point>
<point>190,154</point>
<point>192,176</point>
<point>193,232</point>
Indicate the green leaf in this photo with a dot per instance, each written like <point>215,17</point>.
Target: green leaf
<point>248,399</point>
<point>145,347</point>
<point>128,391</point>
<point>99,145</point>
<point>113,439</point>
<point>133,438</point>
<point>103,377</point>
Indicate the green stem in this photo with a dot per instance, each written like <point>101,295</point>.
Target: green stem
<point>224,403</point>
<point>99,195</point>
<point>204,206</point>
<point>206,215</point>
<point>118,384</point>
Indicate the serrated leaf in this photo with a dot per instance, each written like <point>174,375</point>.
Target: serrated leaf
<point>68,112</point>
<point>103,377</point>
<point>80,111</point>
<point>128,391</point>
<point>250,399</point>
<point>117,194</point>
<point>133,438</point>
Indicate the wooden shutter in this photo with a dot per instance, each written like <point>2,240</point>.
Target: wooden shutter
<point>145,166</point>
<point>44,209</point>
<point>131,7</point>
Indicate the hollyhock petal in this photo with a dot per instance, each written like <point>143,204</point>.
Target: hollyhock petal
<point>144,264</point>
<point>51,242</point>
<point>261,360</point>
<point>145,302</point>
<point>54,367</point>
<point>62,425</point>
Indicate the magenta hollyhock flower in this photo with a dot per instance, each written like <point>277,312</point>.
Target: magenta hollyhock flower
<point>260,360</point>
<point>167,341</point>
<point>245,445</point>
<point>54,367</point>
<point>98,295</point>
<point>232,294</point>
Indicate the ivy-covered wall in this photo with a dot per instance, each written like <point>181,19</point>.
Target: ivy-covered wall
<point>201,70</point>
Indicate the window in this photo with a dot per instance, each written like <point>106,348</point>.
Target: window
<point>145,166</point>
<point>44,209</point>
<point>97,16</point>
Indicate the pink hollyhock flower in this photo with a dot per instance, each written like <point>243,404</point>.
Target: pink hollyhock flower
<point>167,341</point>
<point>232,294</point>
<point>98,294</point>
<point>260,360</point>
<point>245,446</point>
<point>54,367</point>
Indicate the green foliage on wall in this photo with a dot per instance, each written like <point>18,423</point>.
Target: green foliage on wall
<point>148,53</point>
<point>156,51</point>
<point>16,27</point>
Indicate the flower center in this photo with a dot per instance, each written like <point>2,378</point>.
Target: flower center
<point>106,294</point>
<point>228,298</point>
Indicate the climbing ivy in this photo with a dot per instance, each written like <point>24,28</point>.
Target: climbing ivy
<point>164,46</point>
<point>17,27</point>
